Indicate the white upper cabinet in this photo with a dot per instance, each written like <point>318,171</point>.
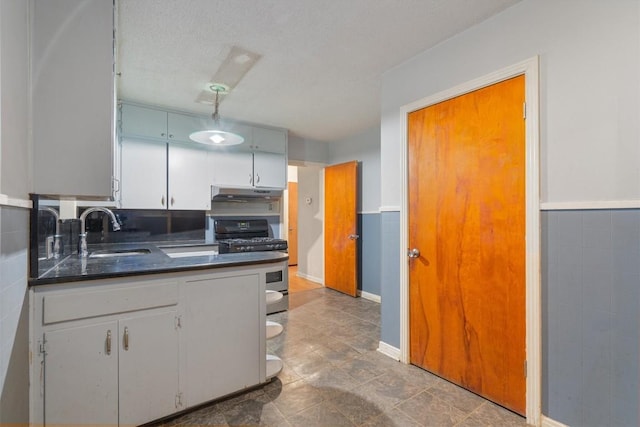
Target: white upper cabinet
<point>180,126</point>
<point>269,140</point>
<point>246,169</point>
<point>258,162</point>
<point>241,129</point>
<point>149,122</point>
<point>152,123</point>
<point>191,168</point>
<point>72,86</point>
<point>231,168</point>
<point>154,176</point>
<point>143,174</point>
<point>269,170</point>
<point>189,187</point>
<point>143,122</point>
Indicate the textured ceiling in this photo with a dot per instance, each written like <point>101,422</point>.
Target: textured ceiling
<point>320,63</point>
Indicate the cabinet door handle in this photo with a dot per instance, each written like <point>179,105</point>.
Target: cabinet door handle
<point>170,136</point>
<point>250,179</point>
<point>162,201</point>
<point>257,179</point>
<point>172,201</point>
<point>109,342</point>
<point>126,338</point>
<point>162,134</point>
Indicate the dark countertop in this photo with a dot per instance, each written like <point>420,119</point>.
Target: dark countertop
<point>72,268</point>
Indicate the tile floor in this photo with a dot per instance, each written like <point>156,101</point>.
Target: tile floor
<point>333,376</point>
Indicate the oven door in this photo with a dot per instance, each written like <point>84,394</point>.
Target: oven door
<point>278,280</point>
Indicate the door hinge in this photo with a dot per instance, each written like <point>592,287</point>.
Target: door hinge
<point>525,369</point>
<point>178,321</point>
<point>524,110</point>
<point>179,400</point>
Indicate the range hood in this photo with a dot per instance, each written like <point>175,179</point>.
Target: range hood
<point>224,193</point>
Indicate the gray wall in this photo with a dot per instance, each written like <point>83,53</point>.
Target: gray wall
<point>591,301</point>
<point>14,329</point>
<point>302,150</point>
<point>365,148</point>
<point>390,278</point>
<point>369,247</point>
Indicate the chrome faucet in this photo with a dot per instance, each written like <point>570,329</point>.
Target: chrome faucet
<point>53,243</point>
<point>82,242</point>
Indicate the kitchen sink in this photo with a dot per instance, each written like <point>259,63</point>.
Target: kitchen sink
<point>111,253</point>
<point>188,251</point>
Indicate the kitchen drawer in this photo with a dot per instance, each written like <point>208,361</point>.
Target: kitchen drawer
<point>93,303</point>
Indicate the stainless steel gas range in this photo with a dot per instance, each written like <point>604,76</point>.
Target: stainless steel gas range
<point>252,235</point>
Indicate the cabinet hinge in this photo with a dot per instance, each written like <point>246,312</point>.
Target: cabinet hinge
<point>178,321</point>
<point>524,110</point>
<point>42,347</point>
<point>179,400</point>
<point>525,369</point>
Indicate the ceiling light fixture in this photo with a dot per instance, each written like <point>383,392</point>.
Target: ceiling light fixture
<point>217,136</point>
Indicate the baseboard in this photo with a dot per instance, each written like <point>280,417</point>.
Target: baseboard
<point>369,296</point>
<point>548,422</point>
<point>311,278</point>
<point>389,350</point>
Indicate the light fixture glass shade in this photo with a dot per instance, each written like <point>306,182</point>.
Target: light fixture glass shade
<point>216,138</point>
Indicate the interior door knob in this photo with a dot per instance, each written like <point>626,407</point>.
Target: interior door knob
<point>354,236</point>
<point>413,253</point>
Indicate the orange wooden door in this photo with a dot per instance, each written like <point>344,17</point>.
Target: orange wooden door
<point>340,228</point>
<point>467,219</point>
<point>292,236</point>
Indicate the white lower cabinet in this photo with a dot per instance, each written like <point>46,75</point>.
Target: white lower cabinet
<point>105,352</point>
<point>148,367</point>
<point>129,351</point>
<point>221,336</point>
<point>80,372</point>
<point>121,372</point>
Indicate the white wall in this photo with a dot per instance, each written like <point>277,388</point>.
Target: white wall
<point>14,95</point>
<point>310,223</point>
<point>590,92</point>
<point>365,148</point>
